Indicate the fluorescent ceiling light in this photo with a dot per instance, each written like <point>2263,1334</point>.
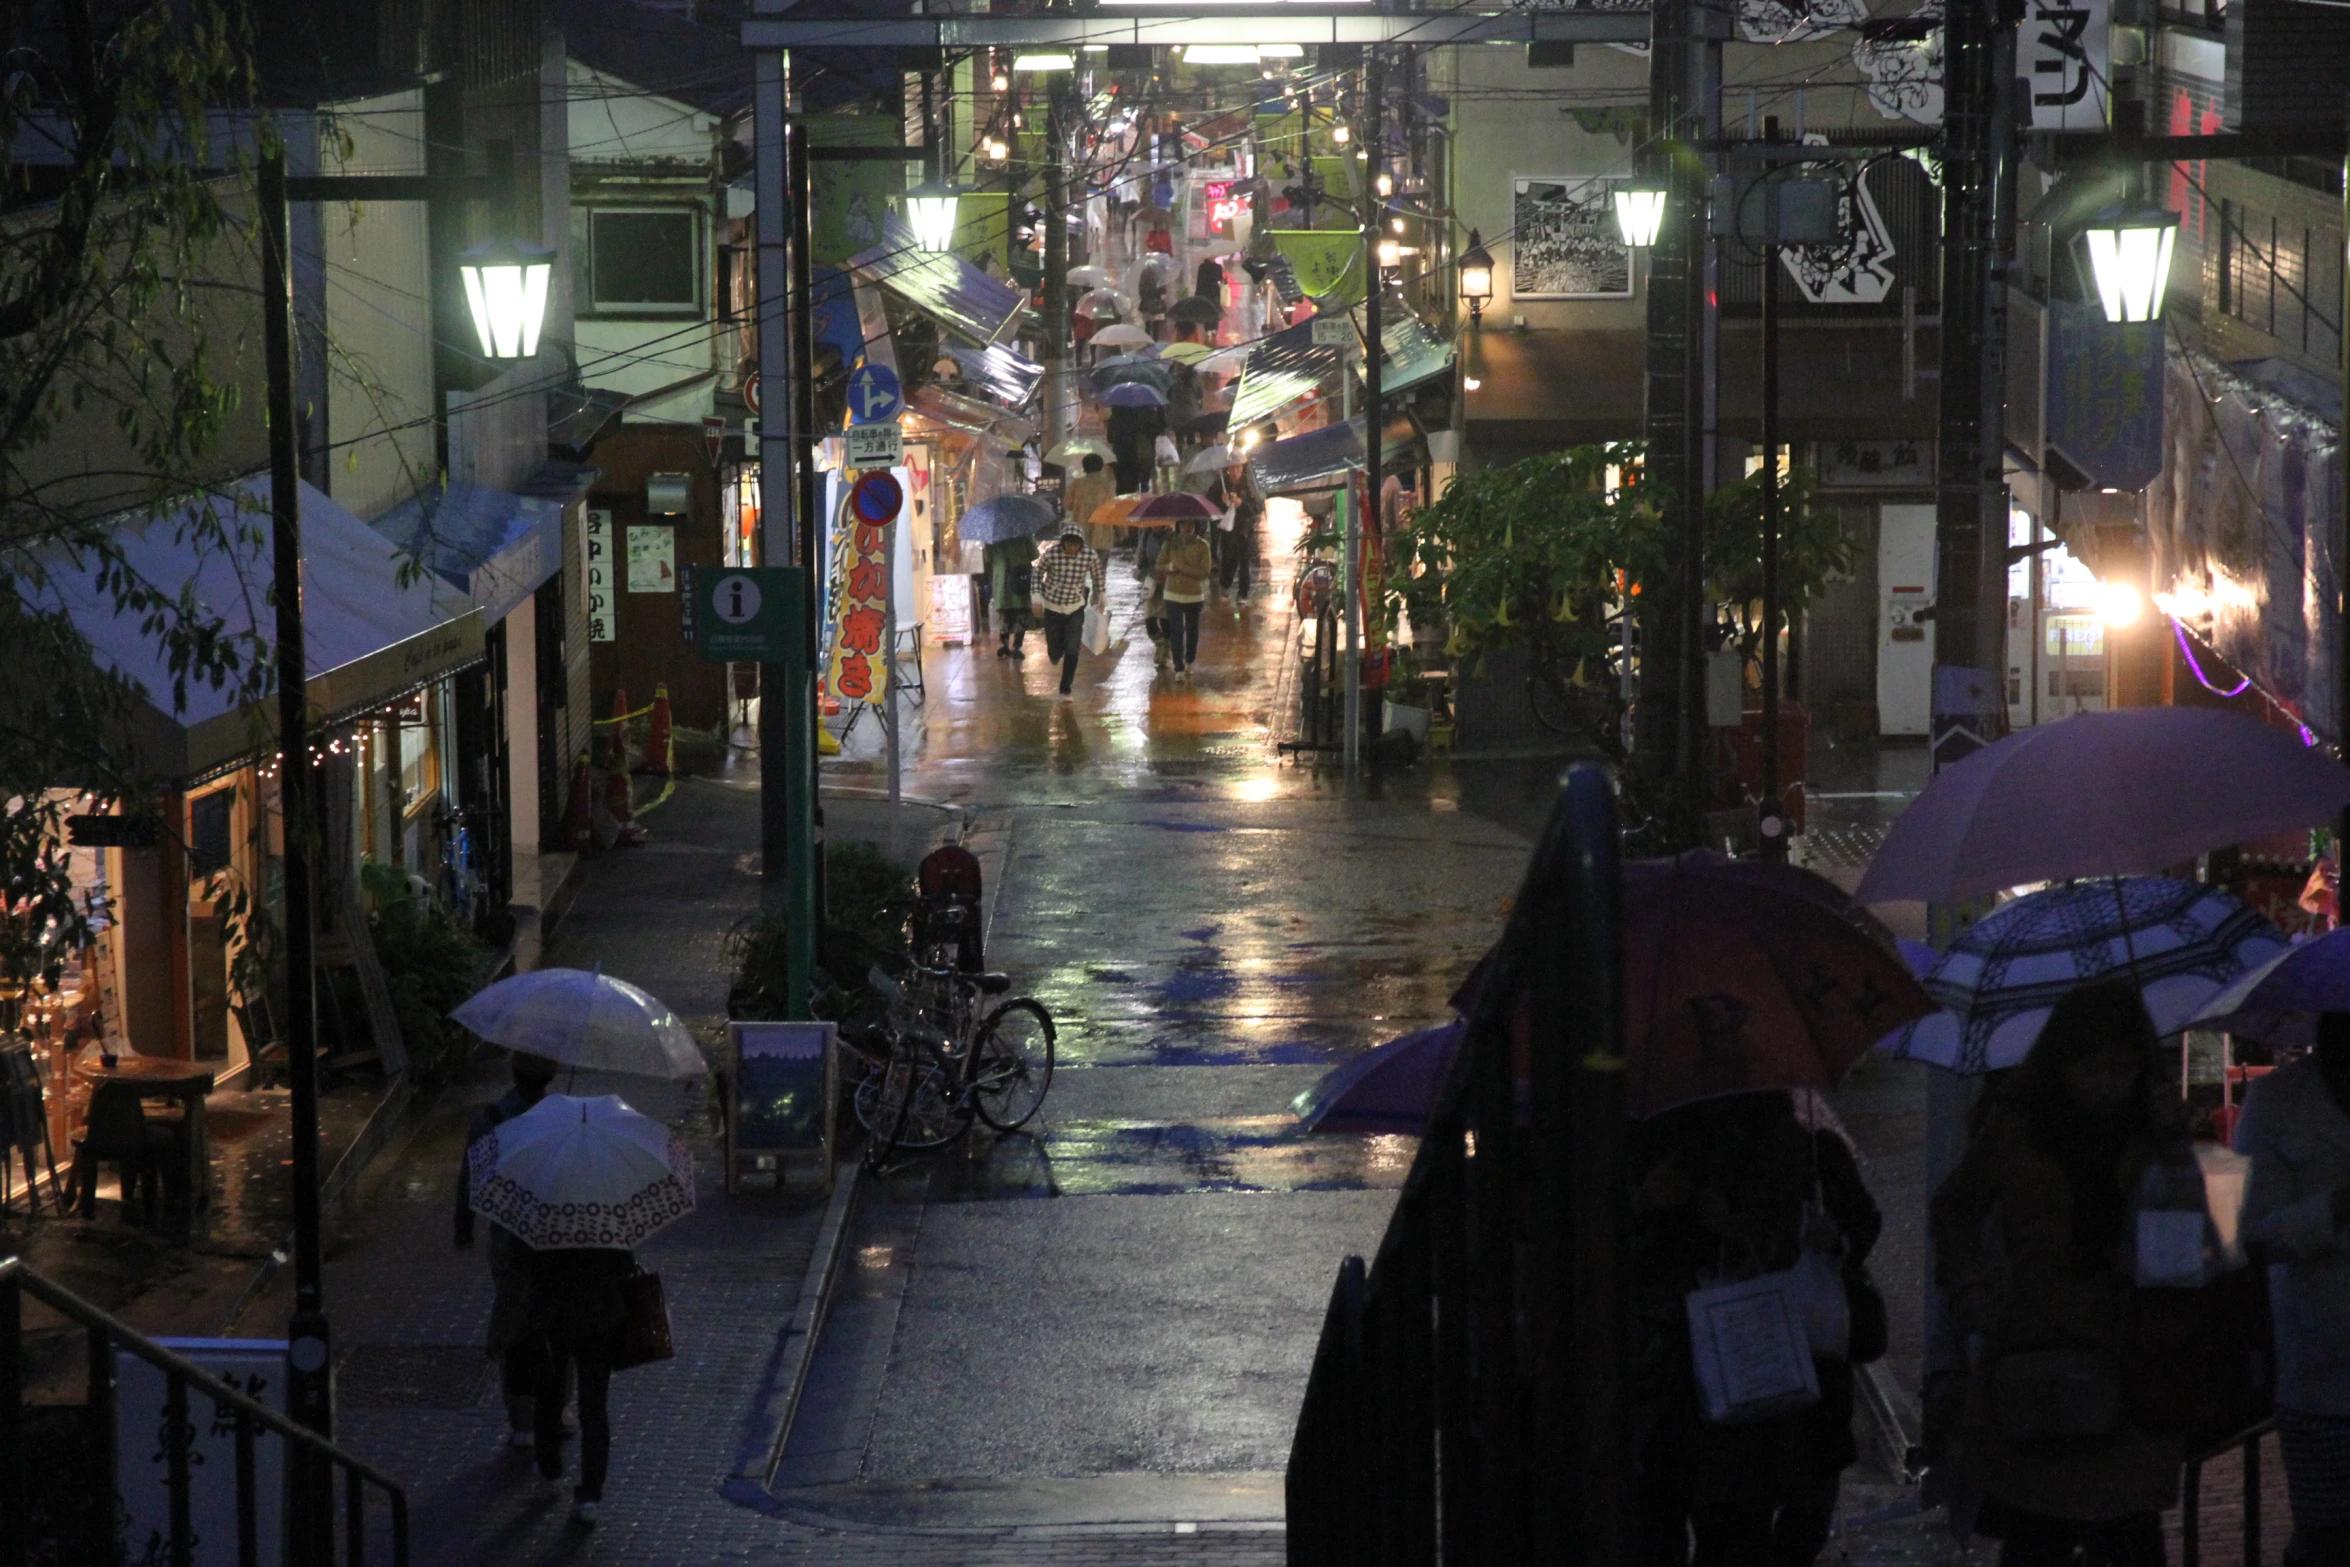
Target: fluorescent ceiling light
<point>1044,62</point>
<point>1095,48</point>
<point>1220,54</point>
<point>1281,51</point>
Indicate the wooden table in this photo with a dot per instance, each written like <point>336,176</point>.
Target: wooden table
<point>162,1077</point>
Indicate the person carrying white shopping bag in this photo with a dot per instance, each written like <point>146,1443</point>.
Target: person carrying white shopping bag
<point>1069,582</point>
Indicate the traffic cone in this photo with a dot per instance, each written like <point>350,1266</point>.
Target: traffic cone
<point>616,732</point>
<point>616,792</point>
<point>658,760</point>
<point>579,810</point>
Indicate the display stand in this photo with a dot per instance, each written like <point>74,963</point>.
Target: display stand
<point>782,1098</point>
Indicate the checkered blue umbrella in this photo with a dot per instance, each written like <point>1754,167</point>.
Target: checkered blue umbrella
<point>2179,943</point>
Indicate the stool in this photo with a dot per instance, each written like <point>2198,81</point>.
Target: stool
<point>910,640</point>
<point>117,1131</point>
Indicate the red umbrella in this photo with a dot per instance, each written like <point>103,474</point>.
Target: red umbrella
<point>1174,508</point>
<point>1742,976</point>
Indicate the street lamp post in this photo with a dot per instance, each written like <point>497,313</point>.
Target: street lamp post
<point>2129,250</point>
<point>1476,278</point>
<point>505,287</point>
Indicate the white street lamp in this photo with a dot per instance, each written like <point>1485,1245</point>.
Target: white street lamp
<point>1640,215</point>
<point>930,207</point>
<point>2129,256</point>
<point>506,286</point>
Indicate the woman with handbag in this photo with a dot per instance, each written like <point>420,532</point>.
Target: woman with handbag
<point>579,1309</point>
<point>1739,1187</point>
<point>2033,1247</point>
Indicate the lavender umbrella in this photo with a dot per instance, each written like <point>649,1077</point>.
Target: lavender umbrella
<point>2102,794</point>
<point>2279,1001</point>
<point>1388,1089</point>
<point>1134,394</point>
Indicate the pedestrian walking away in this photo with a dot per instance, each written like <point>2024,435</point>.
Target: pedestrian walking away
<point>510,1342</point>
<point>1068,578</point>
<point>2296,1131</point>
<point>1154,601</point>
<point>1011,565</point>
<point>1184,570</point>
<point>2032,1238</point>
<point>576,1313</point>
<point>1090,489</point>
<point>1246,510</point>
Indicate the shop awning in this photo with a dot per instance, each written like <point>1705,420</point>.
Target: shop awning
<point>494,546</point>
<point>949,289</point>
<point>972,417</point>
<point>370,639</point>
<point>1415,353</point>
<point>1321,459</point>
<point>1280,372</point>
<point>997,374</point>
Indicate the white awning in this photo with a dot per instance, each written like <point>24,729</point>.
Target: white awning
<point>370,638</point>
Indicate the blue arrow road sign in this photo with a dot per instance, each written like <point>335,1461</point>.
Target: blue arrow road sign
<point>874,395</point>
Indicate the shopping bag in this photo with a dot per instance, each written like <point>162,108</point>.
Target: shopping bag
<point>1097,630</point>
<point>1751,1349</point>
<point>643,1335</point>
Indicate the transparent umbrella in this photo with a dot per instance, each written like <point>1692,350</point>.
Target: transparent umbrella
<point>584,1020</point>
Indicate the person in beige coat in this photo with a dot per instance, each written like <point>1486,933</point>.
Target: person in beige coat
<point>2032,1240</point>
<point>1184,569</point>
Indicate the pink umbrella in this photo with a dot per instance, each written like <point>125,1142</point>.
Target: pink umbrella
<point>2102,794</point>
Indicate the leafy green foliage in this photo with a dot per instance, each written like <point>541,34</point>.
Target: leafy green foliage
<point>431,963</point>
<point>868,899</point>
<point>1814,548</point>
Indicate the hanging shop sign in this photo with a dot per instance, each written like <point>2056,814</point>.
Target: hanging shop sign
<point>1223,204</point>
<point>862,546</point>
<point>596,543</point>
<point>1327,261</point>
<point>2063,54</point>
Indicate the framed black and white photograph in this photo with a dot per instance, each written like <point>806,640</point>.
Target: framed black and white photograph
<point>1565,244</point>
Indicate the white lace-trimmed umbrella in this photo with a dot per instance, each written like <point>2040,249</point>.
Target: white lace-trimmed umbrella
<point>2178,943</point>
<point>570,1173</point>
<point>584,1020</point>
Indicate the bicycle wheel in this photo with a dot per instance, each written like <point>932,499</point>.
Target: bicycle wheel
<point>1014,1065</point>
<point>906,1105</point>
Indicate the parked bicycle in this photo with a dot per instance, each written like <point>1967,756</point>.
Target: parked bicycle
<point>939,1058</point>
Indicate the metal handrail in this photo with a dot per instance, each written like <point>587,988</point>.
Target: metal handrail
<point>108,1332</point>
<point>2191,1494</point>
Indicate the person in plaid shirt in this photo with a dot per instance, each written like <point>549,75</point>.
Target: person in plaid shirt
<point>1068,577</point>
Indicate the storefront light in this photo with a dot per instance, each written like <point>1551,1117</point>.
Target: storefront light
<point>506,288</point>
<point>1640,215</point>
<point>1281,51</point>
<point>930,207</point>
<point>1390,253</point>
<point>2119,603</point>
<point>1340,135</point>
<point>997,149</point>
<point>2129,256</point>
<point>1001,82</point>
<point>1220,54</point>
<point>1042,61</point>
<point>1384,184</point>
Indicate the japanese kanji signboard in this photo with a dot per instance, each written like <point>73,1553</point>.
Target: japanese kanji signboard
<point>861,556</point>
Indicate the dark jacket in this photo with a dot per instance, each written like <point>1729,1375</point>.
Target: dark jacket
<point>575,1300</point>
<point>487,1120</point>
<point>2009,1262</point>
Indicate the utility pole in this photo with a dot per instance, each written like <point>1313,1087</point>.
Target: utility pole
<point>1774,820</point>
<point>1672,706</point>
<point>811,498</point>
<point>1970,525</point>
<point>786,698</point>
<point>1374,281</point>
<point>1056,266</point>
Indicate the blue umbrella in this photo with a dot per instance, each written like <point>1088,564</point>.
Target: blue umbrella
<point>1005,517</point>
<point>1389,1089</point>
<point>2177,943</point>
<point>1134,367</point>
<point>1134,394</point>
<point>2280,1000</point>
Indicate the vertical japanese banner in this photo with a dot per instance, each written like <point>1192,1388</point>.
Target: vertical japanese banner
<point>860,607</point>
<point>596,543</point>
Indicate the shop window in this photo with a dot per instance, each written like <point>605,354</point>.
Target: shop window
<point>419,754</point>
<point>210,836</point>
<point>643,261</point>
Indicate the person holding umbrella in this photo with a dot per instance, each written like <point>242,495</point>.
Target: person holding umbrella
<point>1183,571</point>
<point>2032,1239</point>
<point>510,1343</point>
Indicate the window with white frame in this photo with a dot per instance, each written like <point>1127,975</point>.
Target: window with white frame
<point>640,260</point>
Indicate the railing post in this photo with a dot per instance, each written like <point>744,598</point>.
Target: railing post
<point>354,1519</point>
<point>248,1508</point>
<point>14,1500</point>
<point>2252,1500</point>
<point>101,1417</point>
<point>177,1436</point>
<point>2191,1514</point>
